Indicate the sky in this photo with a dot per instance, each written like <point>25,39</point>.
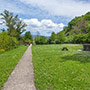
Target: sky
<point>45,16</point>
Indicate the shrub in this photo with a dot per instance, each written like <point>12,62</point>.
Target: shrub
<point>27,37</point>
<point>7,42</point>
<point>41,40</point>
<point>80,39</point>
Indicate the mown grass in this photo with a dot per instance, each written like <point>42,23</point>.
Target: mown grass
<point>61,70</point>
<point>8,61</point>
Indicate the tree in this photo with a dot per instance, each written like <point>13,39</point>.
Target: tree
<point>80,39</point>
<point>52,38</point>
<point>60,37</point>
<point>41,40</point>
<point>28,37</point>
<point>15,26</point>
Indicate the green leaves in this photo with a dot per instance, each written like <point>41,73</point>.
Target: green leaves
<point>14,24</point>
<point>57,38</point>
<point>7,42</point>
<point>80,39</point>
<point>78,30</point>
<point>41,40</point>
<point>27,37</point>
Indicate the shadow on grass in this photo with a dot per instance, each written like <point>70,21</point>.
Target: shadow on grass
<point>83,57</point>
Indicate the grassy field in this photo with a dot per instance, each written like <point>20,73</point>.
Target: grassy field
<point>8,61</point>
<point>61,70</point>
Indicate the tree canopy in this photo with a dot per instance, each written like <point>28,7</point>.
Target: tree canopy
<point>15,26</point>
<point>28,37</point>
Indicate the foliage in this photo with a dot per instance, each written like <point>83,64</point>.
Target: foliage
<point>8,61</point>
<point>80,39</point>
<point>78,29</point>
<point>57,38</point>
<point>7,42</point>
<point>52,38</point>
<point>68,39</point>
<point>27,37</point>
<point>60,37</point>
<point>61,70</point>
<point>14,24</point>
<point>41,40</point>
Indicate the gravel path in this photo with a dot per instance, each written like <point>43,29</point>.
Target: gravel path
<point>22,77</point>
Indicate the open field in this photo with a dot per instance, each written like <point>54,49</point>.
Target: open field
<point>61,70</point>
<point>8,61</point>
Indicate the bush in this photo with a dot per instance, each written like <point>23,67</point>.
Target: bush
<point>28,40</point>
<point>13,42</point>
<point>27,37</point>
<point>41,40</point>
<point>7,42</point>
<point>60,38</point>
<point>69,39</point>
<point>80,39</point>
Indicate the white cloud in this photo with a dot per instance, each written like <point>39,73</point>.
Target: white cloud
<point>32,22</point>
<point>48,23</point>
<point>44,27</point>
<point>69,8</point>
<point>1,16</point>
<point>65,8</point>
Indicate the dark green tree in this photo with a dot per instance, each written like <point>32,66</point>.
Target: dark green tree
<point>41,40</point>
<point>28,37</point>
<point>80,39</point>
<point>52,38</point>
<point>60,37</point>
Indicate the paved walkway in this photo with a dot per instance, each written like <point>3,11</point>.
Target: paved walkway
<point>22,77</point>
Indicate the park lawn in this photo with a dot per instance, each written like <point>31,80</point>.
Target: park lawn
<point>61,70</point>
<point>8,61</point>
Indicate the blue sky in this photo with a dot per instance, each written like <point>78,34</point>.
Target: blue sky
<point>46,16</point>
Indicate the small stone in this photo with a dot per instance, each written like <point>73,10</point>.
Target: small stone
<point>79,50</point>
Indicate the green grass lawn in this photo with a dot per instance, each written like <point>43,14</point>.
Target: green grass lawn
<point>61,70</point>
<point>8,61</point>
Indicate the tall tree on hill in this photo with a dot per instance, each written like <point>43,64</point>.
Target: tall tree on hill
<point>15,26</point>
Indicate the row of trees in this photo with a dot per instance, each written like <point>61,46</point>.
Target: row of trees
<point>53,39</point>
<point>11,37</point>
<point>77,31</point>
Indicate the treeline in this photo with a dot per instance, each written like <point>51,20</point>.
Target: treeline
<point>77,32</point>
<point>53,39</point>
<point>12,36</point>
